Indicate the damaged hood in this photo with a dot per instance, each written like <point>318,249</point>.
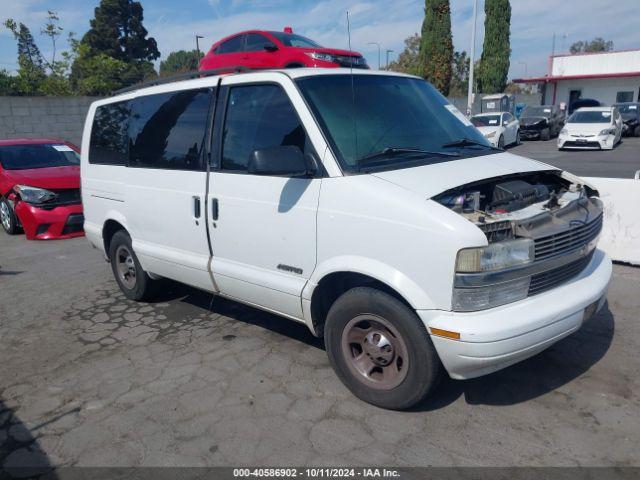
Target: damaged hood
<point>430,180</point>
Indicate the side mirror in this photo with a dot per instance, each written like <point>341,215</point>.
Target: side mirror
<point>284,161</point>
<point>270,47</point>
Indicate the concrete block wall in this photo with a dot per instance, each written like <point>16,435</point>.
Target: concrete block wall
<point>32,117</point>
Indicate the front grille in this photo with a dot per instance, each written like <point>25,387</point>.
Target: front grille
<point>581,144</point>
<point>568,240</point>
<point>552,278</point>
<point>347,61</point>
<point>68,196</point>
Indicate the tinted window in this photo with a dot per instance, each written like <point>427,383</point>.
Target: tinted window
<point>293,40</point>
<point>258,116</point>
<point>256,42</point>
<point>233,45</point>
<point>485,120</point>
<point>168,130</point>
<point>109,136</point>
<point>23,157</point>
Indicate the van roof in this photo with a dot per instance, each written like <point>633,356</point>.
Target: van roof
<point>196,80</point>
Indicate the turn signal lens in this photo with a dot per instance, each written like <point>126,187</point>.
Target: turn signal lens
<point>445,333</point>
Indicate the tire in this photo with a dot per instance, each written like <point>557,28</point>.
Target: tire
<point>545,135</point>
<point>636,132</point>
<point>518,139</point>
<point>8,218</point>
<point>401,372</point>
<point>501,142</point>
<point>134,282</point>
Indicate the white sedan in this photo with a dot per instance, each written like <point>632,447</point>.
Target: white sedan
<point>500,128</point>
<point>592,128</point>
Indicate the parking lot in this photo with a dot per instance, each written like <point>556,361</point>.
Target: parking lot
<point>89,378</point>
<point>621,162</point>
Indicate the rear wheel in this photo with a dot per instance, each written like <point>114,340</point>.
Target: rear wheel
<point>380,349</point>
<point>134,282</point>
<point>8,218</point>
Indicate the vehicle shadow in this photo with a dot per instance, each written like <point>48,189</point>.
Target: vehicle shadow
<point>561,363</point>
<point>244,313</point>
<point>21,456</point>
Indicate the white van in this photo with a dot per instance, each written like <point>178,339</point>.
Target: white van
<point>362,204</point>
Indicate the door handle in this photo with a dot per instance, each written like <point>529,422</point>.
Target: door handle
<point>196,207</point>
<point>214,208</point>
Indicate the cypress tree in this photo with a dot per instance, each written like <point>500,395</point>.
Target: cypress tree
<point>496,50</point>
<point>436,46</point>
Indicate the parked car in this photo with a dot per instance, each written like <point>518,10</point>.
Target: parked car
<point>630,113</point>
<point>269,49</point>
<point>583,102</point>
<point>592,128</point>
<point>40,188</point>
<point>542,122</point>
<point>500,129</point>
<point>415,250</point>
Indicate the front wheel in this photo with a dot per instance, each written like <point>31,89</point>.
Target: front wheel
<point>501,142</point>
<point>545,134</point>
<point>518,139</point>
<point>8,218</point>
<point>134,282</point>
<point>380,349</point>
<point>636,132</point>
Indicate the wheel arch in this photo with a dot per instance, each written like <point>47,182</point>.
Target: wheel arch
<point>109,229</point>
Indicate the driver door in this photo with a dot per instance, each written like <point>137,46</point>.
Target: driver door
<point>262,228</point>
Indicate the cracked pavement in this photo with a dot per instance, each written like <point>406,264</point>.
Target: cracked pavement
<point>88,378</point>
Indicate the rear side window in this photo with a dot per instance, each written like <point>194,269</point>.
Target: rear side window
<point>109,134</point>
<point>233,45</point>
<point>259,116</point>
<point>168,130</point>
<point>256,42</point>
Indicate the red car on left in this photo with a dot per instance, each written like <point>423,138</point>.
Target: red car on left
<point>40,188</point>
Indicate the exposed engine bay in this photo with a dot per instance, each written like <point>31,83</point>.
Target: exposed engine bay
<point>529,205</point>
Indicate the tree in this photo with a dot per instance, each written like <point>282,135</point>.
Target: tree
<point>31,71</point>
<point>116,38</point>
<point>409,59</point>
<point>436,47</point>
<point>459,74</point>
<point>180,61</point>
<point>496,50</point>
<point>598,44</point>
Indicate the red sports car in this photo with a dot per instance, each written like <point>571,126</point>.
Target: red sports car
<point>267,49</point>
<point>40,188</point>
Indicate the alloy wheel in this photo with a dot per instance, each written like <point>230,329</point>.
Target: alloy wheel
<point>5,216</point>
<point>126,267</point>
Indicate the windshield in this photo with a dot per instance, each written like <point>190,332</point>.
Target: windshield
<point>293,40</point>
<point>536,112</point>
<point>23,157</point>
<point>628,108</point>
<point>486,121</point>
<point>590,117</point>
<point>388,112</point>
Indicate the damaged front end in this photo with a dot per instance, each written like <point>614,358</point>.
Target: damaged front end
<point>541,228</point>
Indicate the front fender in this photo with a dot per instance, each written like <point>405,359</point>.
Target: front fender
<point>380,271</point>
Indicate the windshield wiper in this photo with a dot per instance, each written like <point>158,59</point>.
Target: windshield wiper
<point>393,151</point>
<point>468,142</point>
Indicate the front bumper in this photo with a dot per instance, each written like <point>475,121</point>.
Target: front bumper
<point>493,339</point>
<point>57,223</point>
<point>597,142</point>
<point>531,134</point>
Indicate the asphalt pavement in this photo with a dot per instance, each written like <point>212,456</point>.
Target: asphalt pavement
<point>621,162</point>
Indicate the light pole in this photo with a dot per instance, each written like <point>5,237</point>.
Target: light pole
<point>378,45</point>
<point>388,52</point>
<point>472,59</point>
<point>198,37</point>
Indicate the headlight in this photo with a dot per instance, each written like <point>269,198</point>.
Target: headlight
<point>325,57</point>
<point>490,135</point>
<point>564,131</point>
<point>608,131</point>
<point>474,299</point>
<point>34,195</point>
<point>496,256</point>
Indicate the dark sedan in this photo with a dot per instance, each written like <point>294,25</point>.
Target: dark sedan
<point>543,122</point>
<point>630,113</point>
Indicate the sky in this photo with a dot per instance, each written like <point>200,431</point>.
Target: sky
<point>174,24</point>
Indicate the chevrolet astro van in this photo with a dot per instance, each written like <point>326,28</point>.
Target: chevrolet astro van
<point>362,204</point>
